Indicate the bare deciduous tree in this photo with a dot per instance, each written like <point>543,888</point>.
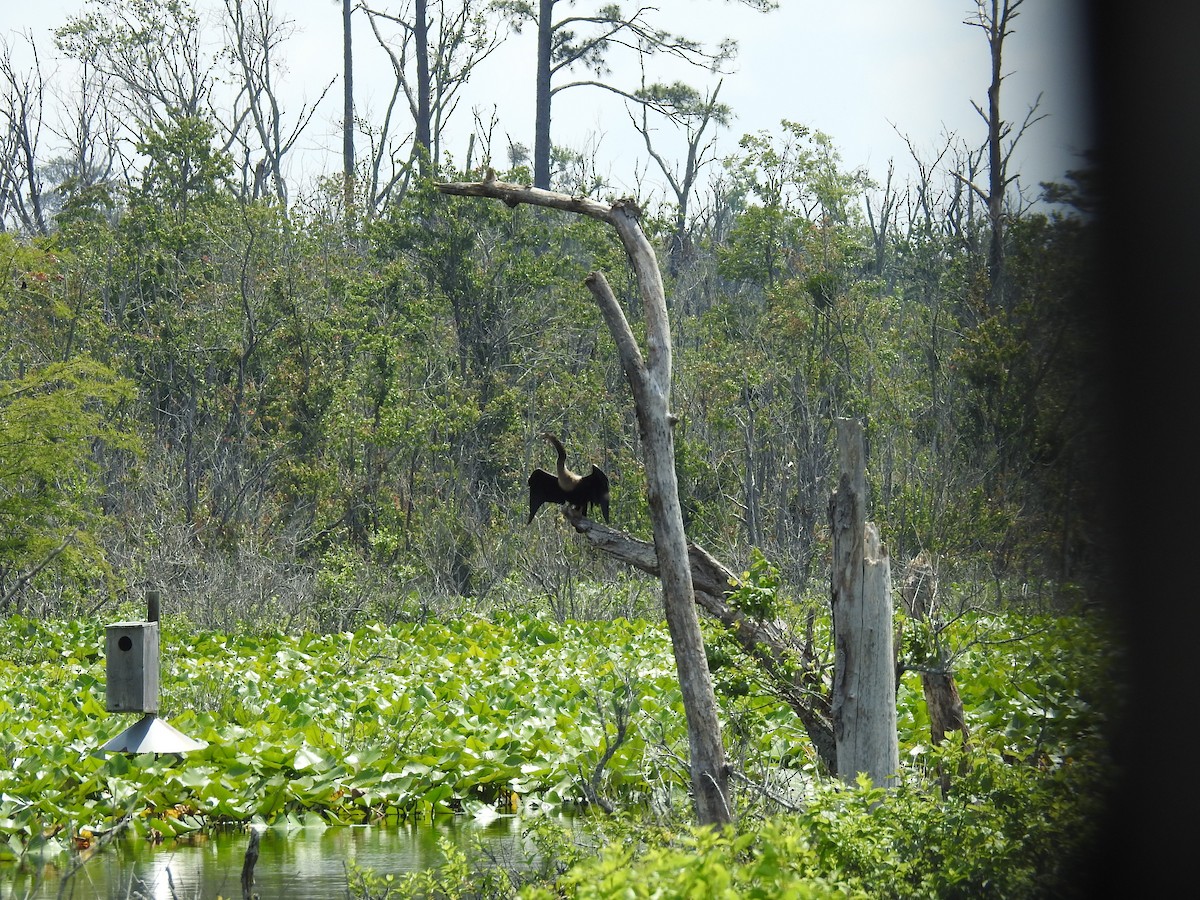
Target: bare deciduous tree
<point>21,110</point>
<point>882,226</point>
<point>437,48</point>
<point>151,52</point>
<point>684,108</point>
<point>649,377</point>
<point>994,18</point>
<point>253,36</point>
<point>88,133</point>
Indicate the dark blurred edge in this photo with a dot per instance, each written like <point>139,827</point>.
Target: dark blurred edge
<point>1146,89</point>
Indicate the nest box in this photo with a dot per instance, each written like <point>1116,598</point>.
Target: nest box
<point>131,649</point>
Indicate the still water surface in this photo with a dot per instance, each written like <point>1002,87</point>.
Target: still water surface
<point>297,864</point>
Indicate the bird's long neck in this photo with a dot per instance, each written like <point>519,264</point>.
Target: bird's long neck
<point>565,476</point>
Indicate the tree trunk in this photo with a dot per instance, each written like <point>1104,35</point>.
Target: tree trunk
<point>996,167</point>
<point>347,114</point>
<point>424,129</point>
<point>994,18</point>
<point>750,479</point>
<point>541,123</point>
<point>650,381</point>
<point>864,681</point>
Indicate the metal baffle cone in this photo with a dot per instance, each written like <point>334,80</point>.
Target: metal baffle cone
<point>150,734</point>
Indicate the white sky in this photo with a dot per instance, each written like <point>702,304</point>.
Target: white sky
<point>859,70</point>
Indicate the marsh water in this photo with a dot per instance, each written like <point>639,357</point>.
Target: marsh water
<point>297,864</point>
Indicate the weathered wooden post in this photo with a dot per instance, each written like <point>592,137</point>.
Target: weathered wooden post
<point>864,679</point>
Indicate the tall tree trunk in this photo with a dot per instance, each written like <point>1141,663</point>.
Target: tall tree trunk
<point>348,113</point>
<point>541,124</point>
<point>649,379</point>
<point>996,167</point>
<point>424,130</point>
<point>710,778</point>
<point>994,18</point>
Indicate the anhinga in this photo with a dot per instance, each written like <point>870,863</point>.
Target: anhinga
<point>581,491</point>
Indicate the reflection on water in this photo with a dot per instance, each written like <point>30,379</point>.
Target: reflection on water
<point>297,864</point>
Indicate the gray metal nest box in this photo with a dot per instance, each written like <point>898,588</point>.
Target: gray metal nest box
<point>131,665</point>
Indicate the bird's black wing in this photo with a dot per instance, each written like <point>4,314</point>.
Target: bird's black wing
<point>594,490</point>
<point>543,488</point>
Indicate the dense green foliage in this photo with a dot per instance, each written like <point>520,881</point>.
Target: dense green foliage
<point>418,721</point>
<point>296,402</point>
<point>318,420</point>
